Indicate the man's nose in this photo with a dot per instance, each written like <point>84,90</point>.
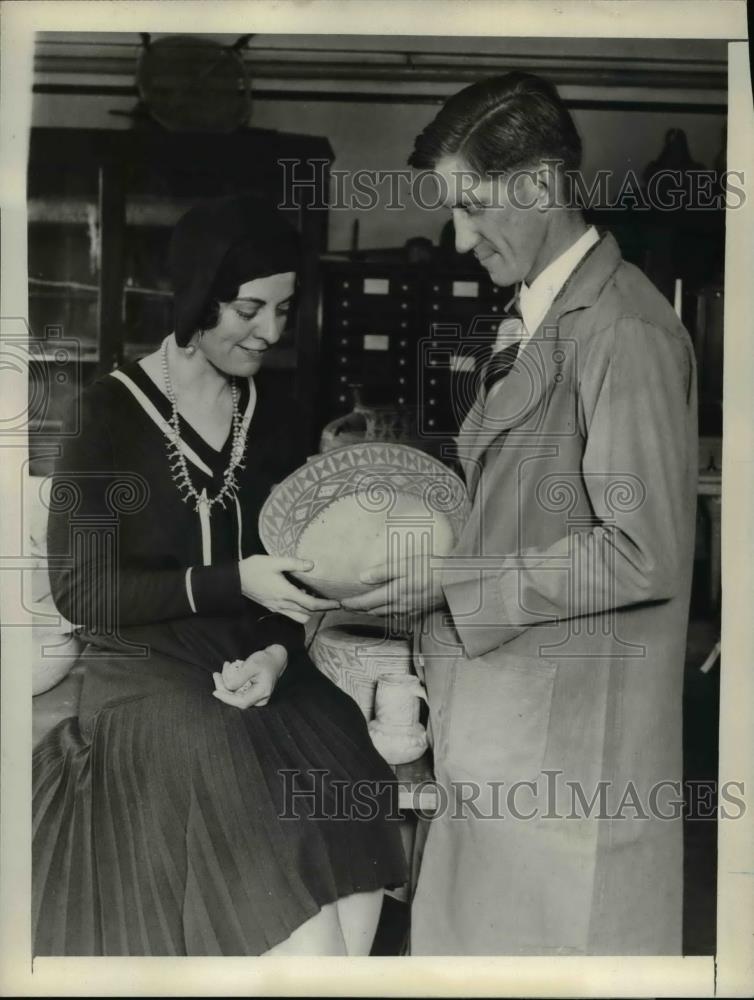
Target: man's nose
<point>466,235</point>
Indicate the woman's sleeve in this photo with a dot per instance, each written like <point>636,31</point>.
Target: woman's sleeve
<point>90,585</point>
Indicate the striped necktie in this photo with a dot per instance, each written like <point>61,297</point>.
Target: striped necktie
<point>502,360</point>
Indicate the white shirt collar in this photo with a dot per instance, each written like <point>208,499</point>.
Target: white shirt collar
<point>536,299</point>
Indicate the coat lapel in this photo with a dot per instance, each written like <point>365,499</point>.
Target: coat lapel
<point>537,372</point>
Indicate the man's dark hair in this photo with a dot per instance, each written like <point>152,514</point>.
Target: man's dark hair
<point>501,124</point>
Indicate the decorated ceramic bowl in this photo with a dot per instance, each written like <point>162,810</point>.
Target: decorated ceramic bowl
<point>360,506</point>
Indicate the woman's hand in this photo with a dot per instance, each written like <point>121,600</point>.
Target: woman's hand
<point>263,581</point>
<point>250,682</point>
<point>405,587</point>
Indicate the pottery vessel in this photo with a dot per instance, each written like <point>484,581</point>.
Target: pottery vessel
<point>396,731</point>
<point>383,477</point>
<point>370,423</point>
<point>356,657</point>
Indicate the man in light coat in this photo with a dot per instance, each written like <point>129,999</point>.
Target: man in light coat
<point>552,641</point>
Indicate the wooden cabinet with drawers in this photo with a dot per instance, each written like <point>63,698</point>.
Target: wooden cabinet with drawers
<point>412,335</point>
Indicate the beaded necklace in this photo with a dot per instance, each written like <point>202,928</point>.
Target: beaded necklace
<point>177,459</point>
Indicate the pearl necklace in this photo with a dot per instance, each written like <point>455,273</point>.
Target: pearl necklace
<point>177,459</point>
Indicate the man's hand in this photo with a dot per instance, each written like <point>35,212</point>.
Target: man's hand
<point>406,587</point>
<point>250,682</point>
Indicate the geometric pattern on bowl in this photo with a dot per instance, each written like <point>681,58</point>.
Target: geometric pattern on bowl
<point>355,657</point>
<point>378,471</point>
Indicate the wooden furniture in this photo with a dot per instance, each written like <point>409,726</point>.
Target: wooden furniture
<point>407,333</point>
<point>710,492</point>
<point>102,204</point>
<point>711,495</point>
<point>707,332</point>
<point>711,498</point>
<point>416,781</point>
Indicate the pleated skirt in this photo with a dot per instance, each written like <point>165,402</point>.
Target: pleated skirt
<point>168,823</point>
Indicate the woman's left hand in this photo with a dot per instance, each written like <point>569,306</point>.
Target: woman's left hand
<point>403,587</point>
<point>249,683</point>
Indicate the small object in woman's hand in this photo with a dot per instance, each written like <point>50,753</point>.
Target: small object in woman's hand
<point>232,676</point>
<point>250,682</point>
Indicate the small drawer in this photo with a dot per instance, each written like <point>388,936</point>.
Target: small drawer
<point>476,286</point>
<point>358,324</point>
<point>355,306</point>
<point>465,311</point>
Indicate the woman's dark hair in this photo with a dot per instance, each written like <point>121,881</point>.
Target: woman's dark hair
<point>501,124</point>
<point>224,288</point>
<point>216,247</point>
<point>210,316</point>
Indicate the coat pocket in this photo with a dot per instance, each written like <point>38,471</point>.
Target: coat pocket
<point>499,717</point>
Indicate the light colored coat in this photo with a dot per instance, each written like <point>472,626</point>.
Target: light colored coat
<point>565,644</point>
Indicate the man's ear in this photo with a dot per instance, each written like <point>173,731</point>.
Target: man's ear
<point>546,180</point>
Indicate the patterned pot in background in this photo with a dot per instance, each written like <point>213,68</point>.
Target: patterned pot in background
<point>370,423</point>
<point>355,657</point>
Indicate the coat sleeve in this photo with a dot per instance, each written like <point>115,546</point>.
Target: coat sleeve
<point>91,586</point>
<point>637,396</point>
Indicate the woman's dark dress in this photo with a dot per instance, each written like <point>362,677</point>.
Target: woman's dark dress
<point>159,812</point>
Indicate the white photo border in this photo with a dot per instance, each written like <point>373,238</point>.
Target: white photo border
<point>730,972</point>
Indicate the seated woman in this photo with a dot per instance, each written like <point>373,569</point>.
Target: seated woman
<point>168,821</point>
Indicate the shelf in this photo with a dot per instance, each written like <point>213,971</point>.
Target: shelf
<point>62,211</point>
<point>37,285</point>
<point>145,211</point>
<point>41,284</point>
<point>156,293</point>
<point>47,352</point>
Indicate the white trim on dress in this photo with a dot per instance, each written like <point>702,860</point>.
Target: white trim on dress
<point>203,509</point>
<point>189,589</point>
<point>151,410</point>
